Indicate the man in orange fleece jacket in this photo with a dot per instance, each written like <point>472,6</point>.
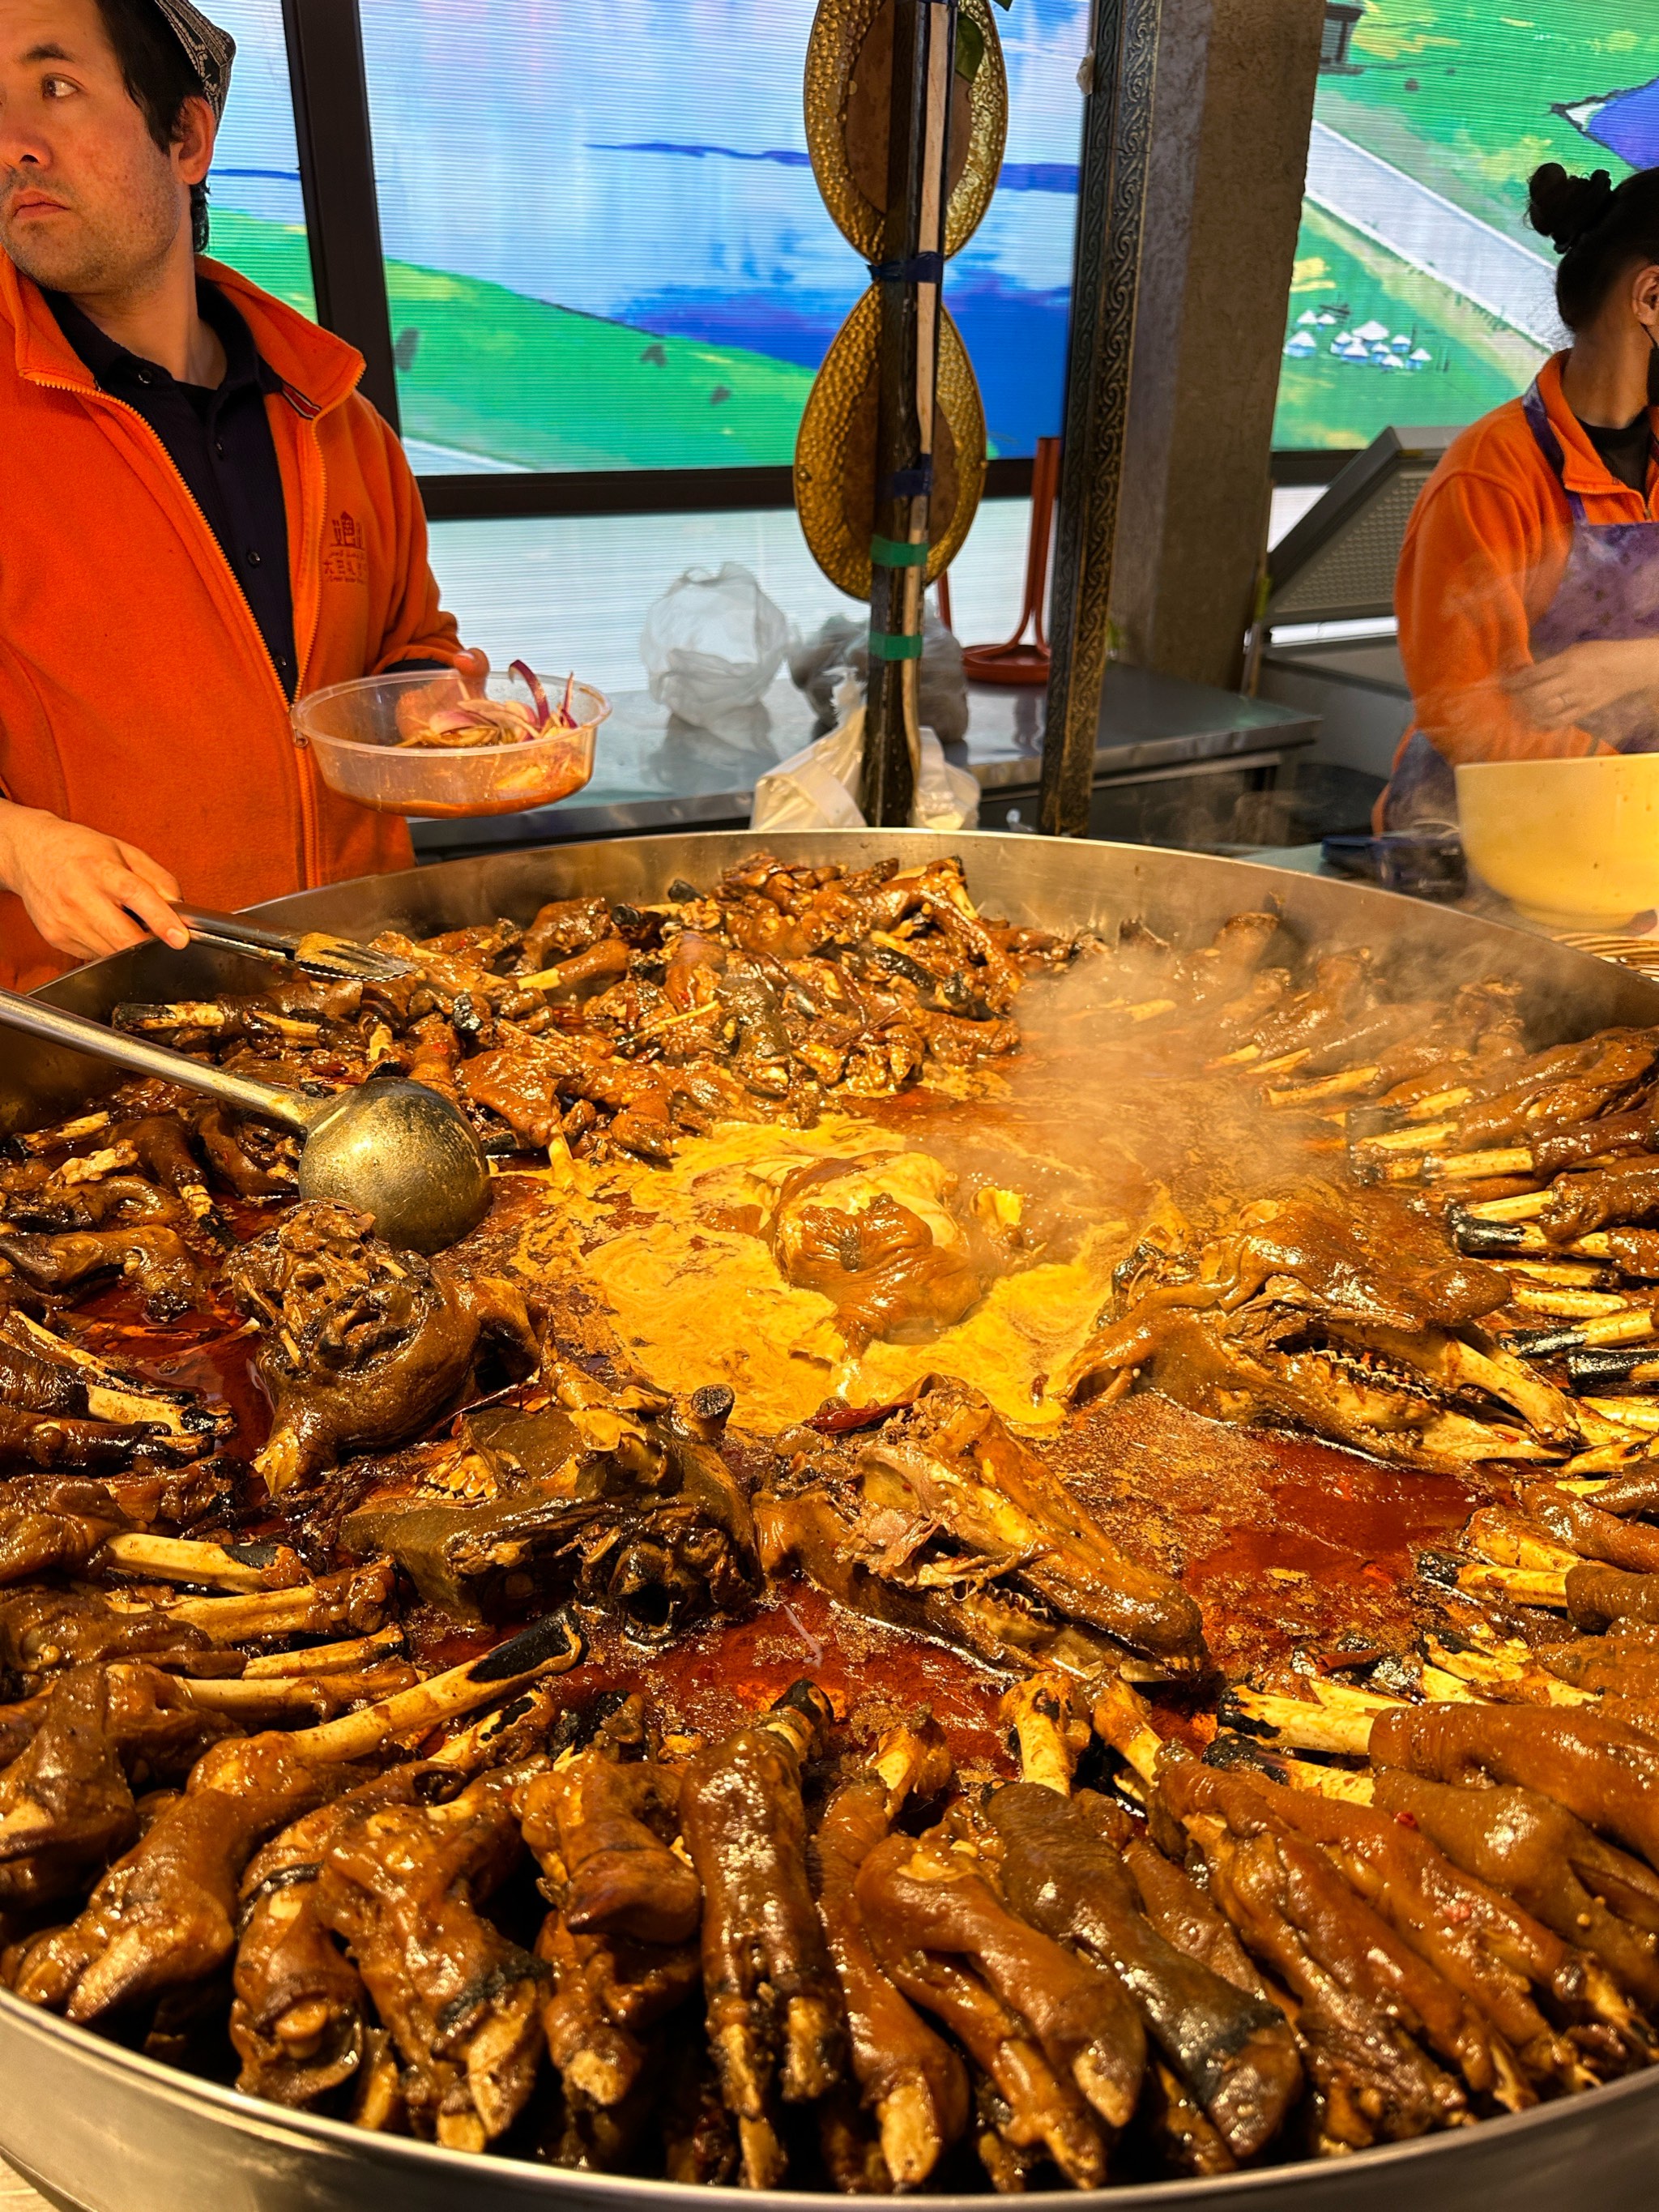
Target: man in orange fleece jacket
<point>200,518</point>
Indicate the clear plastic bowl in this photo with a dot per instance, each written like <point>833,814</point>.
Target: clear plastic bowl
<point>353,729</point>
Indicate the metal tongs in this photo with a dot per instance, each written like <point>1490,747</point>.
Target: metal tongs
<point>336,959</point>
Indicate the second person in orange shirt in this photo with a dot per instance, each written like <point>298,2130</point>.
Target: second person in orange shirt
<point>1527,593</point>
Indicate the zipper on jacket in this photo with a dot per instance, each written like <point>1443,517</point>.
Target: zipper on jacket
<point>305,770</point>
<point>311,857</point>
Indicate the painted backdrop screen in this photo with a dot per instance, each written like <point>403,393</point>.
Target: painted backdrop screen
<point>605,250</point>
<point>1420,295</point>
<point>258,215</point>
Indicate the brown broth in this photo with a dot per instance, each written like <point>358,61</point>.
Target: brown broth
<point>210,1352</point>
<point>715,1678</point>
<point>1287,1542</point>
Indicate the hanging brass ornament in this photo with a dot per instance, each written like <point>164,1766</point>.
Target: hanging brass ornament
<point>836,452</point>
<point>849,69</point>
<point>905,105</point>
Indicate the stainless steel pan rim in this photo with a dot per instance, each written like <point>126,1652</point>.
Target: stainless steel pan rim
<point>102,2129</point>
<point>1060,883</point>
<point>460,2174</point>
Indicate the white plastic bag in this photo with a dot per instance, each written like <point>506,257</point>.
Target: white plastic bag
<point>818,788</point>
<point>946,797</point>
<point>815,789</point>
<point>712,645</point>
<point>821,663</point>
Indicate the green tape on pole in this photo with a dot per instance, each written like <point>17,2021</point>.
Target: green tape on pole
<point>885,647</point>
<point>892,553</point>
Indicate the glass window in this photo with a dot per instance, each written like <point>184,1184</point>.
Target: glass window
<point>259,218</point>
<point>571,593</point>
<point>1420,295</point>
<point>1010,287</point>
<point>574,590</point>
<point>605,248</point>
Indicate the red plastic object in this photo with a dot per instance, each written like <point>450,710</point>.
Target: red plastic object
<point>1021,660</point>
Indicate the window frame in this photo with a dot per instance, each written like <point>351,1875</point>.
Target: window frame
<point>329,85</point>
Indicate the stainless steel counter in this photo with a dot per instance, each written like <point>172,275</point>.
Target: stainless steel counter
<point>656,772</point>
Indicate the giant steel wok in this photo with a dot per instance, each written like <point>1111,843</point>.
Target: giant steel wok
<point>103,2129</point>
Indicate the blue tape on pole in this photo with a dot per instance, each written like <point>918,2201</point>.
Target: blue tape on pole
<point>919,269</point>
<point>907,483</point>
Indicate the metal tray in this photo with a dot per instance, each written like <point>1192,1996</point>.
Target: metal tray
<point>97,2129</point>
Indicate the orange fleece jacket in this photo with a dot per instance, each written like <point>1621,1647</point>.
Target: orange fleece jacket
<point>1484,555</point>
<point>137,694</point>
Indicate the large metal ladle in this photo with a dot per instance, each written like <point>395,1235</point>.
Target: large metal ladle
<point>394,1149</point>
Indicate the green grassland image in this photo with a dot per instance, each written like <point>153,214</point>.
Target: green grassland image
<point>604,243</point>
<point>660,295</point>
<point>485,372</point>
<point>1420,295</point>
<point>1373,340</point>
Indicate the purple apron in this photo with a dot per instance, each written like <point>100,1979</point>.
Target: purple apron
<point>1609,590</point>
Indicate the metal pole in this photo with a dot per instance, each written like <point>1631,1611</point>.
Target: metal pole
<point>336,180</point>
<point>1106,268</point>
<point>265,1102</point>
<point>911,276</point>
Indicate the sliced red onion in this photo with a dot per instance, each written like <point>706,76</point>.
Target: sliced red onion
<point>565,714</point>
<point>533,684</point>
<point>453,718</point>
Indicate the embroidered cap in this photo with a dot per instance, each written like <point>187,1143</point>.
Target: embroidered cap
<point>208,50</point>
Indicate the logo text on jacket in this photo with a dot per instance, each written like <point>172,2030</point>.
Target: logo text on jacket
<point>345,559</point>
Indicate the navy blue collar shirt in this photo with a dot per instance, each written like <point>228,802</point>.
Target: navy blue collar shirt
<point>220,441</point>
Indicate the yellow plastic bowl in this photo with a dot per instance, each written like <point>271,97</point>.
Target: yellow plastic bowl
<point>1568,841</point>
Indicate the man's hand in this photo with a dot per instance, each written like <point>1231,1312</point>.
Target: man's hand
<point>82,889</point>
<point>417,705</point>
<point>1561,691</point>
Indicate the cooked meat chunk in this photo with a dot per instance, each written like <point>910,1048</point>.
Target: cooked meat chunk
<point>155,1259</point>
<point>53,1522</point>
<point>1366,1999</point>
<point>45,1631</point>
<point>301,2021</point>
<point>912,2080</point>
<point>1234,2052</point>
<point>877,1238</point>
<point>361,1345</point>
<point>1548,1861</point>
<point>922,1898</point>
<point>67,1802</point>
<point>1606,1773</point>
<point>948,1463</point>
<point>612,1827</point>
<point>607,1994</point>
<point>401,1887</point>
<point>774,2011</point>
<point>165,1915</point>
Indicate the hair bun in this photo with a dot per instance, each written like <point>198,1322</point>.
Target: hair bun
<point>1563,207</point>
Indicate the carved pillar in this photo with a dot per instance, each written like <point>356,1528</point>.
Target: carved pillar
<point>1106,263</point>
<point>1230,116</point>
